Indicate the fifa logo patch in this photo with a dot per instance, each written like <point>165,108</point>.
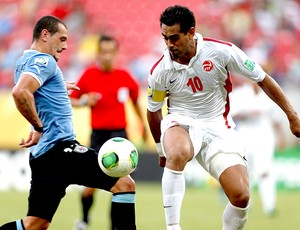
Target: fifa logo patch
<point>41,61</point>
<point>207,65</point>
<point>250,65</point>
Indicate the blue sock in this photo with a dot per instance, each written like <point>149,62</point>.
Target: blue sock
<point>15,225</point>
<point>123,211</point>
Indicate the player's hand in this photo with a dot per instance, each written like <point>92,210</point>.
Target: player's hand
<point>71,85</point>
<point>93,98</point>
<point>161,161</point>
<point>295,126</point>
<point>32,139</point>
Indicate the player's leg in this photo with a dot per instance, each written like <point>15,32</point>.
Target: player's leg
<point>266,182</point>
<point>123,204</point>
<point>234,181</point>
<point>46,191</point>
<point>29,222</point>
<point>14,225</point>
<point>267,193</point>
<point>179,150</point>
<point>87,199</point>
<point>98,137</point>
<point>91,175</point>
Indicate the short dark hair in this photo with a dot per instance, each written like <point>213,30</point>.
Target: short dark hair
<point>105,37</point>
<point>49,23</point>
<point>178,15</point>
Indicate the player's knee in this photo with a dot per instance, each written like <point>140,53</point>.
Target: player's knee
<point>124,184</point>
<point>35,223</point>
<point>87,192</point>
<point>240,199</point>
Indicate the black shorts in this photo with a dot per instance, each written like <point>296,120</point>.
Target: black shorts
<point>100,136</point>
<point>66,163</point>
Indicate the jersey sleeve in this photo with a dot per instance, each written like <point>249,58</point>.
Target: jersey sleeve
<point>243,65</point>
<point>41,67</point>
<point>156,92</point>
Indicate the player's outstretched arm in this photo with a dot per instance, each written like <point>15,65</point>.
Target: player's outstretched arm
<point>274,91</point>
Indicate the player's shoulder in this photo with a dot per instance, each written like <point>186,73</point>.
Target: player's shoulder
<point>217,45</point>
<point>159,67</point>
<point>39,58</point>
<point>217,42</point>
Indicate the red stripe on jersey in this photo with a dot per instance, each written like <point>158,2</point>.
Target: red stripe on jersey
<point>215,40</point>
<point>153,67</point>
<point>228,87</point>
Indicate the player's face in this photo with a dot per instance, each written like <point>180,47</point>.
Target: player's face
<point>178,43</point>
<point>107,55</point>
<point>58,42</point>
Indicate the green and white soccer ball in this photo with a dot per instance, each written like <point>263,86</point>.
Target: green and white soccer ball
<point>118,157</point>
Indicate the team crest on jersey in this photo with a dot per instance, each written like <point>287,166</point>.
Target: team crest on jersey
<point>207,65</point>
<point>250,65</point>
<point>80,149</point>
<point>41,61</point>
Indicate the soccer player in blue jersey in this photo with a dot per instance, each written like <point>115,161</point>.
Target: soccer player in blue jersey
<point>56,158</point>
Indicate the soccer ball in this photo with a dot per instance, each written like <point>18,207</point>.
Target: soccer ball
<point>118,157</point>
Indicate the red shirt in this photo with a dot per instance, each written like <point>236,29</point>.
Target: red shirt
<point>114,89</point>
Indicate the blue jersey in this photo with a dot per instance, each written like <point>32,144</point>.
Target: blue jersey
<point>52,102</point>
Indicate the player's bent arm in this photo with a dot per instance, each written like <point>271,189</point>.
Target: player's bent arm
<point>24,99</point>
<point>154,119</point>
<point>274,91</point>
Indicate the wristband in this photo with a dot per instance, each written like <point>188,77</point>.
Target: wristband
<point>159,149</point>
<point>39,129</point>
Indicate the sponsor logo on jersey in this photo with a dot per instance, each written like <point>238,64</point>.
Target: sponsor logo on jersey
<point>207,65</point>
<point>250,65</point>
<point>41,61</point>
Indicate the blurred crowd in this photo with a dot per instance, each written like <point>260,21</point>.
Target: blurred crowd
<point>267,30</point>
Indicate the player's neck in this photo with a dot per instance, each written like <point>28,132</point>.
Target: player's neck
<point>185,59</point>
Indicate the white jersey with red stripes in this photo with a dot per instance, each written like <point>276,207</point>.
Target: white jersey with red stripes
<point>200,89</point>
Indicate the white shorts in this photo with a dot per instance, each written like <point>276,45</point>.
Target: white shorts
<point>216,147</point>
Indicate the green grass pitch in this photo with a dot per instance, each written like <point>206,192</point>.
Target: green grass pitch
<point>202,209</point>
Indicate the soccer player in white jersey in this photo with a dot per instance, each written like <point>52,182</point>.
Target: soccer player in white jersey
<point>56,158</point>
<point>258,121</point>
<point>194,73</point>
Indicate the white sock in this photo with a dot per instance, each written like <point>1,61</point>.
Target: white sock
<point>267,193</point>
<point>234,218</point>
<point>173,189</point>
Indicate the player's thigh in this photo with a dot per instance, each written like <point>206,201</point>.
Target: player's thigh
<point>177,143</point>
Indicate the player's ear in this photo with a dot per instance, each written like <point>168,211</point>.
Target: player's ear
<point>191,32</point>
<point>45,34</point>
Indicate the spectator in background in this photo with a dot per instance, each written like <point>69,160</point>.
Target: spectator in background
<point>258,123</point>
<point>105,89</point>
